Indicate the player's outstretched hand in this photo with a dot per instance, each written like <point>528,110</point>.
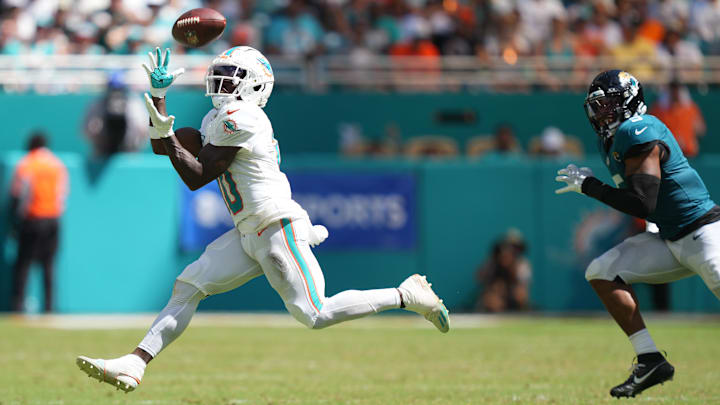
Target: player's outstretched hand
<point>573,177</point>
<point>160,79</point>
<point>162,125</point>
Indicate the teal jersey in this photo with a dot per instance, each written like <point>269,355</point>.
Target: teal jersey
<point>683,197</point>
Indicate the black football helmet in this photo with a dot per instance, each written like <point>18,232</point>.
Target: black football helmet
<point>613,97</point>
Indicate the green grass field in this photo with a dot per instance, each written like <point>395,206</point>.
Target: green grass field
<point>385,360</point>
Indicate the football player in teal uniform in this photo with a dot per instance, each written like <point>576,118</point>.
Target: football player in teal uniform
<point>655,182</point>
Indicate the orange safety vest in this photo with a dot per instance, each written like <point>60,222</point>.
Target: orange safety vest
<point>41,182</point>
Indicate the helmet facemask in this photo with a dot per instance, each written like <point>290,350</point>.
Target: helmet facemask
<point>230,81</point>
<point>223,83</point>
<point>605,113</point>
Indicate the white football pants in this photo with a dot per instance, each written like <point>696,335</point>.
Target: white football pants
<point>645,258</point>
<point>282,253</point>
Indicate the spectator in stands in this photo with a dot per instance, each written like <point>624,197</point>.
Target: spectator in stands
<point>508,41</point>
<point>673,14</point>
<point>601,33</point>
<point>18,30</point>
<point>442,25</point>
<point>431,146</point>
<point>351,140</point>
<point>536,17</point>
<point>552,143</point>
<point>361,51</point>
<point>420,46</point>
<point>49,41</point>
<point>384,20</point>
<point>648,27</point>
<point>39,189</point>
<point>354,144</point>
<point>682,116</point>
<point>560,47</point>
<point>561,42</point>
<point>464,40</point>
<point>245,33</point>
<point>505,276</point>
<point>505,140</point>
<point>705,23</point>
<point>295,32</point>
<point>503,31</point>
<point>502,144</point>
<point>426,59</point>
<point>676,53</point>
<point>391,143</point>
<point>116,122</point>
<point>635,53</point>
<point>84,40</point>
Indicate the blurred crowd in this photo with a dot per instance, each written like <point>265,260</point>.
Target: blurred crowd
<point>636,35</point>
<point>501,144</point>
<point>634,32</point>
<point>674,106</point>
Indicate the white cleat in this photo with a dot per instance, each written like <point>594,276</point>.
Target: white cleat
<point>419,297</point>
<point>123,373</point>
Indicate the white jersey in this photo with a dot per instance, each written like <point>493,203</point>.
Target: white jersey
<point>256,192</point>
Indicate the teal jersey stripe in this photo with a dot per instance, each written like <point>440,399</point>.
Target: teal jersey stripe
<point>287,231</point>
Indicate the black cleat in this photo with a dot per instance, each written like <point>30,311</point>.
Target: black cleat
<point>644,376</point>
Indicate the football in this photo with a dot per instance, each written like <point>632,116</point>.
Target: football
<point>198,27</point>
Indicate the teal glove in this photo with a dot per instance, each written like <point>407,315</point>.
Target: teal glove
<point>160,80</point>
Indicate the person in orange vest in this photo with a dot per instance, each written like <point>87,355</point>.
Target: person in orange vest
<point>682,116</point>
<point>38,192</point>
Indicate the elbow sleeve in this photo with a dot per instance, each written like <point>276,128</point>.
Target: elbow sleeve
<point>646,187</point>
<point>639,199</point>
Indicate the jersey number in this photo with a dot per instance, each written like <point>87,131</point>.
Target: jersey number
<point>230,193</point>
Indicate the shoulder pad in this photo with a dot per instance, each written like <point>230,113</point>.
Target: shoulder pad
<point>240,116</point>
<point>209,116</point>
<point>206,121</point>
<point>635,131</point>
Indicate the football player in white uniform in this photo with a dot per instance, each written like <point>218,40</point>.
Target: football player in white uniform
<point>272,234</point>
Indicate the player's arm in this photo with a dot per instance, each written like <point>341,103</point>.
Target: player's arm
<point>211,160</point>
<point>642,174</point>
<point>19,193</point>
<point>160,81</point>
<point>14,215</point>
<point>188,137</point>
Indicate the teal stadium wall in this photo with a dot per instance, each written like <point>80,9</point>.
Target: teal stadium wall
<point>119,246</point>
<point>308,123</point>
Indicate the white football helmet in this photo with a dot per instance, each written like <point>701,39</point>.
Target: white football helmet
<point>241,71</point>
